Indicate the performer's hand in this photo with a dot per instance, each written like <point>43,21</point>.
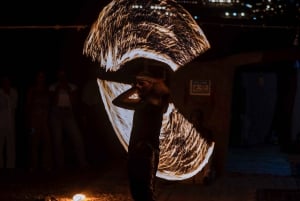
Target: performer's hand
<point>128,99</point>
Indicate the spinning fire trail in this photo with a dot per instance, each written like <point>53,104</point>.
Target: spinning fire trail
<point>163,31</point>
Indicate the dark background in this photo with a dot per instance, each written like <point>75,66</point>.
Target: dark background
<point>26,48</point>
<point>30,41</point>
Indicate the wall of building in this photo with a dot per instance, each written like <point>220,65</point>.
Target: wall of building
<point>217,106</point>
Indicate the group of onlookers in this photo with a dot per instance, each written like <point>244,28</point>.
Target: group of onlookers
<point>50,121</point>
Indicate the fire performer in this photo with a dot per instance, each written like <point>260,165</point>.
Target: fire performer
<point>163,31</point>
<point>143,149</point>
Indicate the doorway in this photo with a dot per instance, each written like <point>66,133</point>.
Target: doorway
<point>262,116</point>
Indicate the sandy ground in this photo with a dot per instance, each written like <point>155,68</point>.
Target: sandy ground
<point>109,183</point>
<point>100,184</point>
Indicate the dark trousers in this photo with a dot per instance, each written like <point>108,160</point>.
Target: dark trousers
<point>142,166</point>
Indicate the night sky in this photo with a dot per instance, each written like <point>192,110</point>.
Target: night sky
<point>25,50</point>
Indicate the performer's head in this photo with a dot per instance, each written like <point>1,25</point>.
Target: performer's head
<point>144,84</point>
<point>150,86</point>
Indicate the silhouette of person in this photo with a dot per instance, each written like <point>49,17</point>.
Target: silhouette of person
<point>8,105</point>
<point>37,113</point>
<point>64,104</point>
<point>143,149</point>
<point>197,119</point>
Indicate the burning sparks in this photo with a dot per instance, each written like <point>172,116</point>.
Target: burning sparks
<point>123,32</point>
<point>165,32</point>
<point>183,151</point>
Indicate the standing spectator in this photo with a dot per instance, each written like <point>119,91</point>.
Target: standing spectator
<point>37,110</point>
<point>8,105</point>
<point>64,104</point>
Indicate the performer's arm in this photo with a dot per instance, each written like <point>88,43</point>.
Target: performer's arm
<point>128,99</point>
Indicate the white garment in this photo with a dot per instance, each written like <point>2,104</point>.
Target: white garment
<point>63,121</point>
<point>8,104</point>
<point>63,96</point>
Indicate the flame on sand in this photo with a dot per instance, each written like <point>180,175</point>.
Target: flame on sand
<point>164,31</point>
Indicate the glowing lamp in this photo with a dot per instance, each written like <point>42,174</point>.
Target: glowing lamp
<point>78,197</point>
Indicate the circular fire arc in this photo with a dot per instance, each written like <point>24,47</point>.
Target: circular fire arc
<point>163,31</point>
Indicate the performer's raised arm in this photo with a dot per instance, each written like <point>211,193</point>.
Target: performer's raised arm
<point>128,99</point>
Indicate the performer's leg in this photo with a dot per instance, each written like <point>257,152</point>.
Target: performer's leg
<point>142,166</point>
